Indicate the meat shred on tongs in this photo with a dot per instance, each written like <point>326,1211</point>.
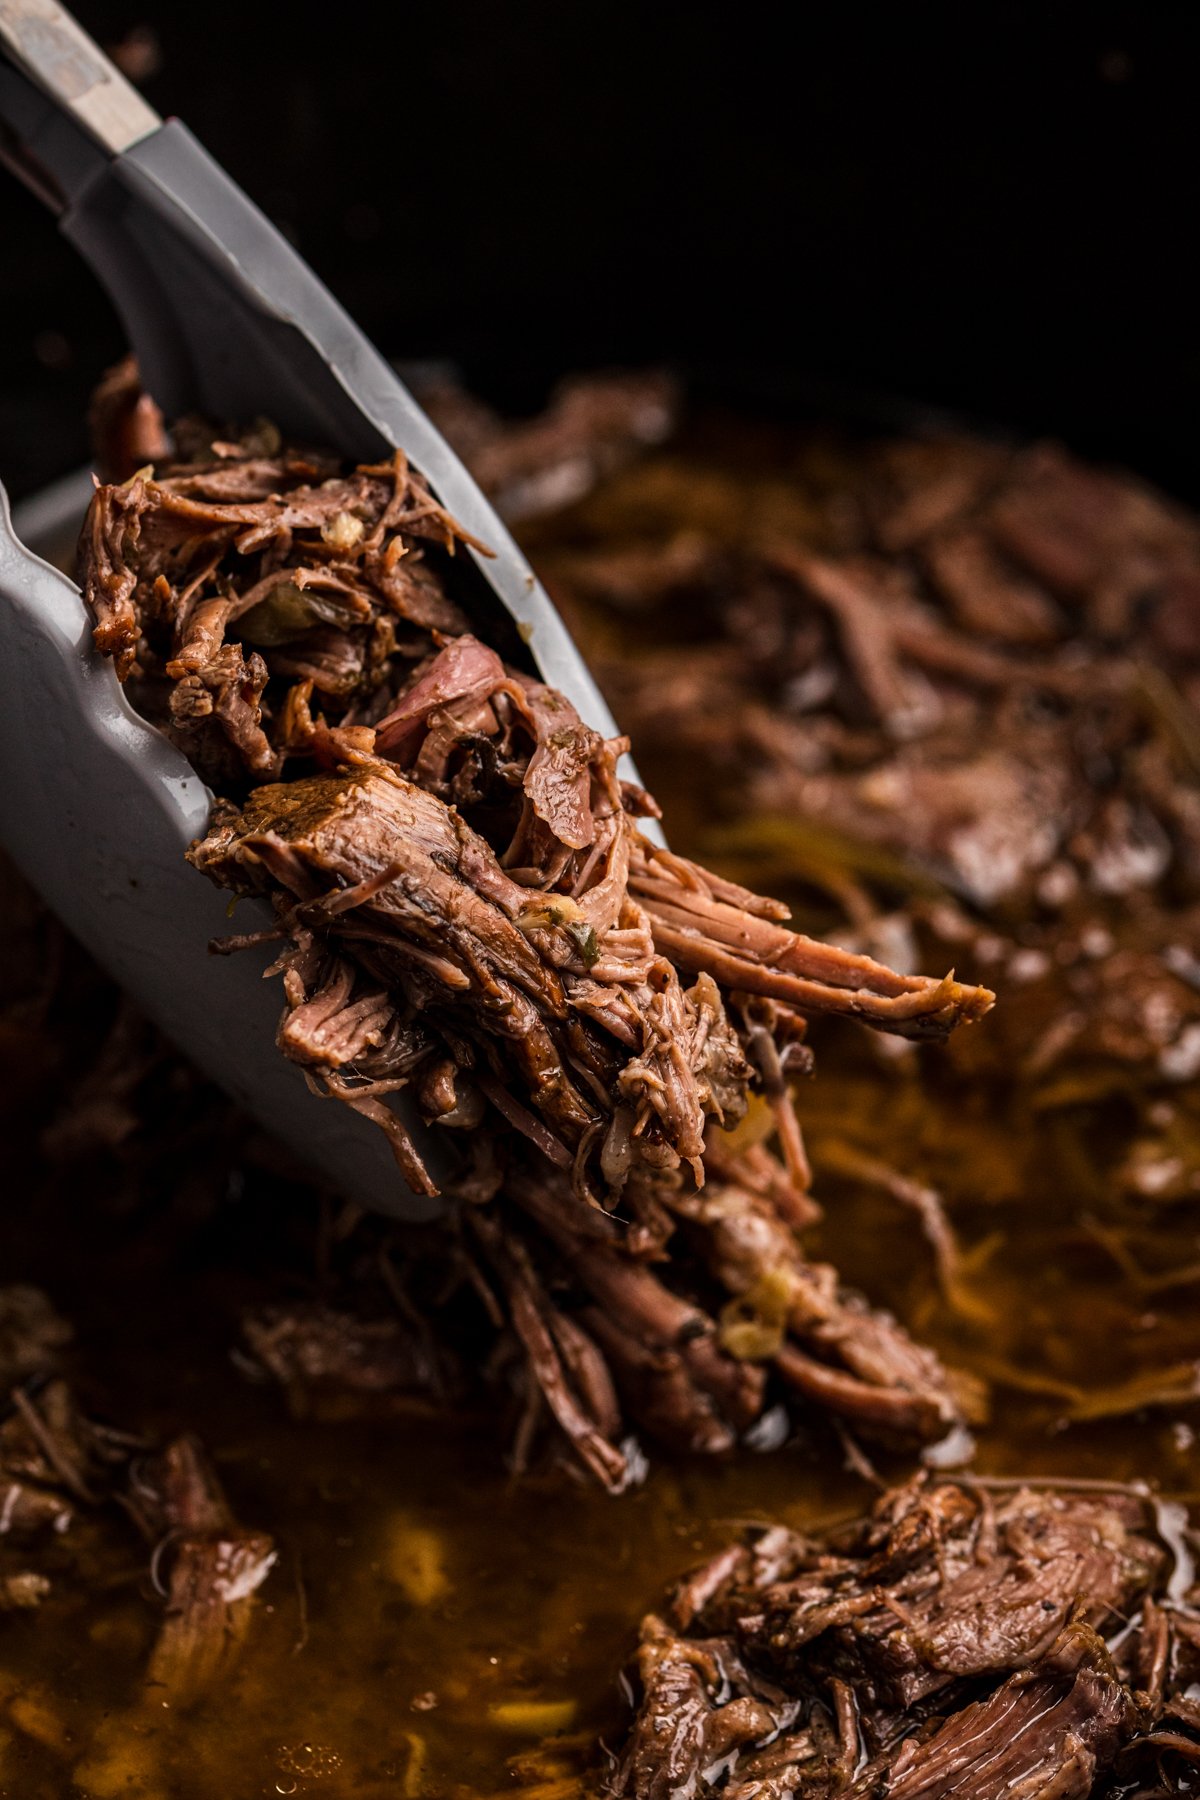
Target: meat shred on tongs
<point>466,909</point>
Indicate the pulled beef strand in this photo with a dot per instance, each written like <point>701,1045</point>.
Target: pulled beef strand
<point>215,1568</point>
<point>477,848</point>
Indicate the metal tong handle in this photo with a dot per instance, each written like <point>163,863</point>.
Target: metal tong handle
<point>42,38</point>
<point>97,809</point>
<point>227,320</point>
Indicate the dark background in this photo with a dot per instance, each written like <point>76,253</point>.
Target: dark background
<point>984,207</point>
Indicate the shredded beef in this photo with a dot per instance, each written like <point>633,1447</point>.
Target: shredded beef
<point>334,1364</point>
<point>466,909</point>
<point>555,987</point>
<point>954,1642</point>
<point>60,1474</point>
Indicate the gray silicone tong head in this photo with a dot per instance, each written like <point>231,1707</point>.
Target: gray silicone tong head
<point>227,320</point>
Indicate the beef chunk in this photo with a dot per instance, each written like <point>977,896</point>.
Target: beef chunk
<point>951,1643</point>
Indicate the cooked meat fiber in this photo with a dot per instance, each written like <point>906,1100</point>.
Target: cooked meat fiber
<point>567,991</point>
<point>60,1473</point>
<point>474,854</point>
<point>466,909</point>
<point>786,1326</point>
<point>951,1643</point>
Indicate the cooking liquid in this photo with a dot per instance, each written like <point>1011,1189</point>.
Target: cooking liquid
<point>433,1628</point>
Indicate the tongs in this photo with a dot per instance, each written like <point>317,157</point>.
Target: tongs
<point>96,806</point>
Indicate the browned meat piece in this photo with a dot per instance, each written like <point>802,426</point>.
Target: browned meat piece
<point>992,645</point>
<point>924,486</point>
<point>332,1364</point>
<point>629,1295</point>
<point>987,823</point>
<point>984,596</point>
<point>441,922</point>
<point>565,1364</point>
<point>591,426</point>
<point>60,1473</point>
<point>422,902</point>
<point>437,919</point>
<point>53,1461</point>
<point>34,1501</point>
<point>949,709</point>
<point>828,1345</point>
<point>708,925</point>
<point>788,1329</point>
<point>950,1644</point>
<point>683,1730</point>
<point>658,1389</point>
<point>125,426</point>
<point>1047,1733</point>
<point>1091,537</point>
<point>213,1572</point>
<point>64,1457</point>
<point>979,1586</point>
<point>306,562</point>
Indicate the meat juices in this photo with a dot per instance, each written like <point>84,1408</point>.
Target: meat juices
<point>970,1638</point>
<point>466,909</point>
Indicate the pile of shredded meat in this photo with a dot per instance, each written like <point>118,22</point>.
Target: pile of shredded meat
<point>965,1639</point>
<point>466,910</point>
<point>942,694</point>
